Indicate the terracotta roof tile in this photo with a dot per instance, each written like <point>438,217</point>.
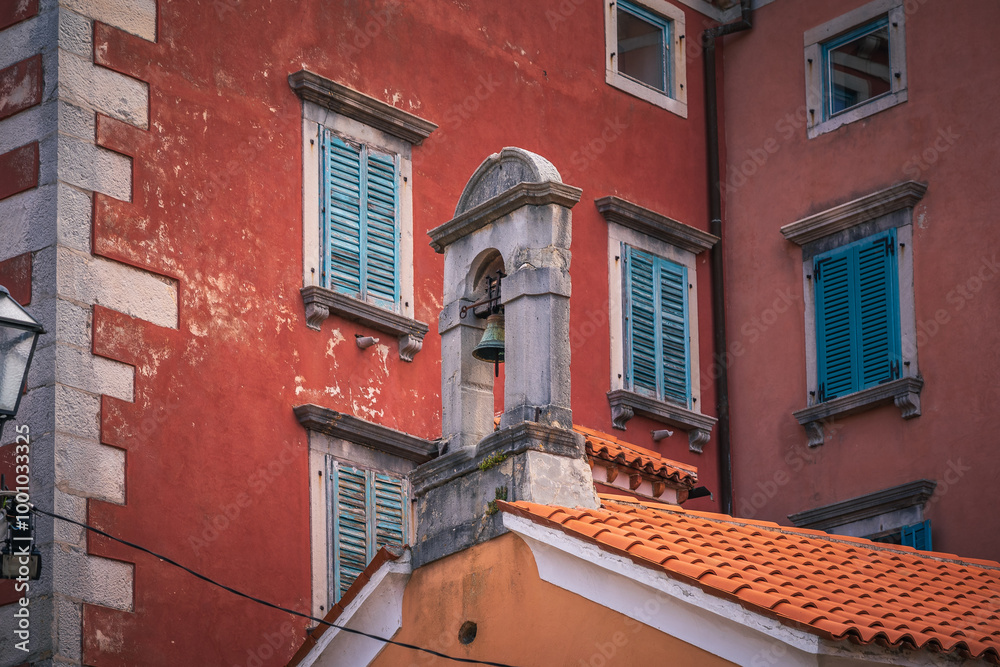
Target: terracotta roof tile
<point>609,448</point>
<point>837,587</point>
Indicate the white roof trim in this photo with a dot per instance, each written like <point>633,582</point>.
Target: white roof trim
<point>377,610</point>
<point>685,611</point>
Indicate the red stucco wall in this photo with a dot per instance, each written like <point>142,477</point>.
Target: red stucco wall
<point>944,135</point>
<point>216,462</point>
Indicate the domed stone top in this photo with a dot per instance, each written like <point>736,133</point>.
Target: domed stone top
<point>502,171</point>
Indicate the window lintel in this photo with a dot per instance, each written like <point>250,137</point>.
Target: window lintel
<point>360,107</point>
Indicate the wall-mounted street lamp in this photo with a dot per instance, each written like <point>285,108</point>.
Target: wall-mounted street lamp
<point>19,333</point>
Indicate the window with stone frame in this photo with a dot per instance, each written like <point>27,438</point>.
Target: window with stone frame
<point>357,209</point>
<point>855,66</point>
<point>644,52</point>
<point>653,315</point>
<point>860,323</point>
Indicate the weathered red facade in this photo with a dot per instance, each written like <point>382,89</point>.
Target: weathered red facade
<point>216,468</point>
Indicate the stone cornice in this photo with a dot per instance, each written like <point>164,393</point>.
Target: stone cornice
<point>899,196</point>
<point>865,507</point>
<point>522,194</point>
<point>360,107</point>
<point>506,442</point>
<point>320,303</point>
<point>362,432</point>
<point>651,223</point>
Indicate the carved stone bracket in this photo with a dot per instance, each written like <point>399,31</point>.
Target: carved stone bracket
<point>626,404</point>
<point>908,403</point>
<point>315,314</point>
<point>409,345</point>
<point>321,303</point>
<point>818,419</point>
<point>697,437</point>
<point>620,414</point>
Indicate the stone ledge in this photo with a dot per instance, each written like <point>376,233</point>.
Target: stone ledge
<point>526,436</point>
<point>363,432</point>
<point>651,223</point>
<point>522,194</point>
<point>866,507</point>
<point>321,303</point>
<point>360,107</point>
<point>904,392</point>
<point>626,404</point>
<point>899,196</point>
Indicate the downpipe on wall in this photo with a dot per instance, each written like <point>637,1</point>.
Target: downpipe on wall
<point>709,38</point>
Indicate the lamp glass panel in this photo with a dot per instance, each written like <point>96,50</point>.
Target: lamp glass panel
<point>15,349</point>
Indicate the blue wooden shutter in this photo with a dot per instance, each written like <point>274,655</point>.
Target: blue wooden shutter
<point>857,316</point>
<point>341,214</point>
<point>382,238</point>
<point>658,345</point>
<point>835,324</point>
<point>350,526</point>
<point>389,511</point>
<point>675,344</point>
<point>878,306</point>
<point>369,511</point>
<point>917,536</point>
<point>641,309</point>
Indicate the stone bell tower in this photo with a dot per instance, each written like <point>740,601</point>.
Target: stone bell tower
<point>514,215</point>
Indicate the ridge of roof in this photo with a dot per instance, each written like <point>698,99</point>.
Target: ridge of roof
<point>833,586</point>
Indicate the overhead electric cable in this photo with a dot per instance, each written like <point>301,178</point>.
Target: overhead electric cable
<point>265,602</point>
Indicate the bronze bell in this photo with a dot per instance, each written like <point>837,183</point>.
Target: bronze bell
<point>490,348</point>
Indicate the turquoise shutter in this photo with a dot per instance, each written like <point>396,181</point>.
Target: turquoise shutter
<point>341,214</point>
<point>878,306</point>
<point>674,332</point>
<point>917,536</point>
<point>382,240</point>
<point>641,315</point>
<point>350,522</point>
<point>658,344</point>
<point>369,512</point>
<point>835,324</point>
<point>390,512</point>
<point>857,316</point>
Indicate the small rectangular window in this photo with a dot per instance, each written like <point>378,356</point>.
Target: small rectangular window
<point>359,221</point>
<point>644,52</point>
<point>657,338</point>
<point>857,67</point>
<point>644,47</point>
<point>369,511</point>
<point>857,315</point>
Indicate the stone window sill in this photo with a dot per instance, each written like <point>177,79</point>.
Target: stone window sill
<point>626,404</point>
<point>321,303</point>
<point>904,392</point>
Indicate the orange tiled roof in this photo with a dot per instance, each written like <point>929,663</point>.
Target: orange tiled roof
<point>836,587</point>
<point>609,448</point>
